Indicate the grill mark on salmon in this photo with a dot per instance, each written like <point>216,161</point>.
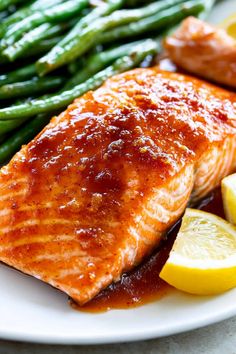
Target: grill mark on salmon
<point>96,190</point>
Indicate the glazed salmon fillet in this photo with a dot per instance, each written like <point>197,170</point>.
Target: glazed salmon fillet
<point>96,190</point>
<point>204,50</point>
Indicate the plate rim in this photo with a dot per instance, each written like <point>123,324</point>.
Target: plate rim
<point>121,337</point>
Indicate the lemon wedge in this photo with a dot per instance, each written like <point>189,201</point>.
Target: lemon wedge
<point>203,258</point>
<point>228,187</point>
<point>229,24</point>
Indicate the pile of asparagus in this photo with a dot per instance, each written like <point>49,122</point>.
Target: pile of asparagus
<point>61,49</point>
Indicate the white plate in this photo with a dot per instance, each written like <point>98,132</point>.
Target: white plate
<point>33,311</point>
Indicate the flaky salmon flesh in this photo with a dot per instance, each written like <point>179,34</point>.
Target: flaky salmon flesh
<point>96,190</point>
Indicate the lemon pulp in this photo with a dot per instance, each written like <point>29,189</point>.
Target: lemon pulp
<point>203,258</point>
<point>229,24</point>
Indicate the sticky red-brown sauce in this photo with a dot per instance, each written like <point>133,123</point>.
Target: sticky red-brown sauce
<point>143,285</point>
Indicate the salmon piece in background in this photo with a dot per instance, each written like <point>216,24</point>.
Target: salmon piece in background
<point>204,50</point>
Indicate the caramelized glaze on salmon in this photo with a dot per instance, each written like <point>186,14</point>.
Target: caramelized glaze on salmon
<point>94,192</point>
<point>204,50</point>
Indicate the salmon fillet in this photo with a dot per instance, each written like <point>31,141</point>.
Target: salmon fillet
<point>204,50</point>
<point>95,191</point>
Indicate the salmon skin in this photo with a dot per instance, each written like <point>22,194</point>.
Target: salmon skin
<point>95,191</point>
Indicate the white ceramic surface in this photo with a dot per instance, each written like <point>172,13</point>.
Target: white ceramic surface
<point>33,311</point>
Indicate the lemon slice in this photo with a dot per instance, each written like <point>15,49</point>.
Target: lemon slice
<point>229,24</point>
<point>228,187</point>
<point>203,258</point>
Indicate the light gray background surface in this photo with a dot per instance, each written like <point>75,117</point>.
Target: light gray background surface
<point>217,339</point>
